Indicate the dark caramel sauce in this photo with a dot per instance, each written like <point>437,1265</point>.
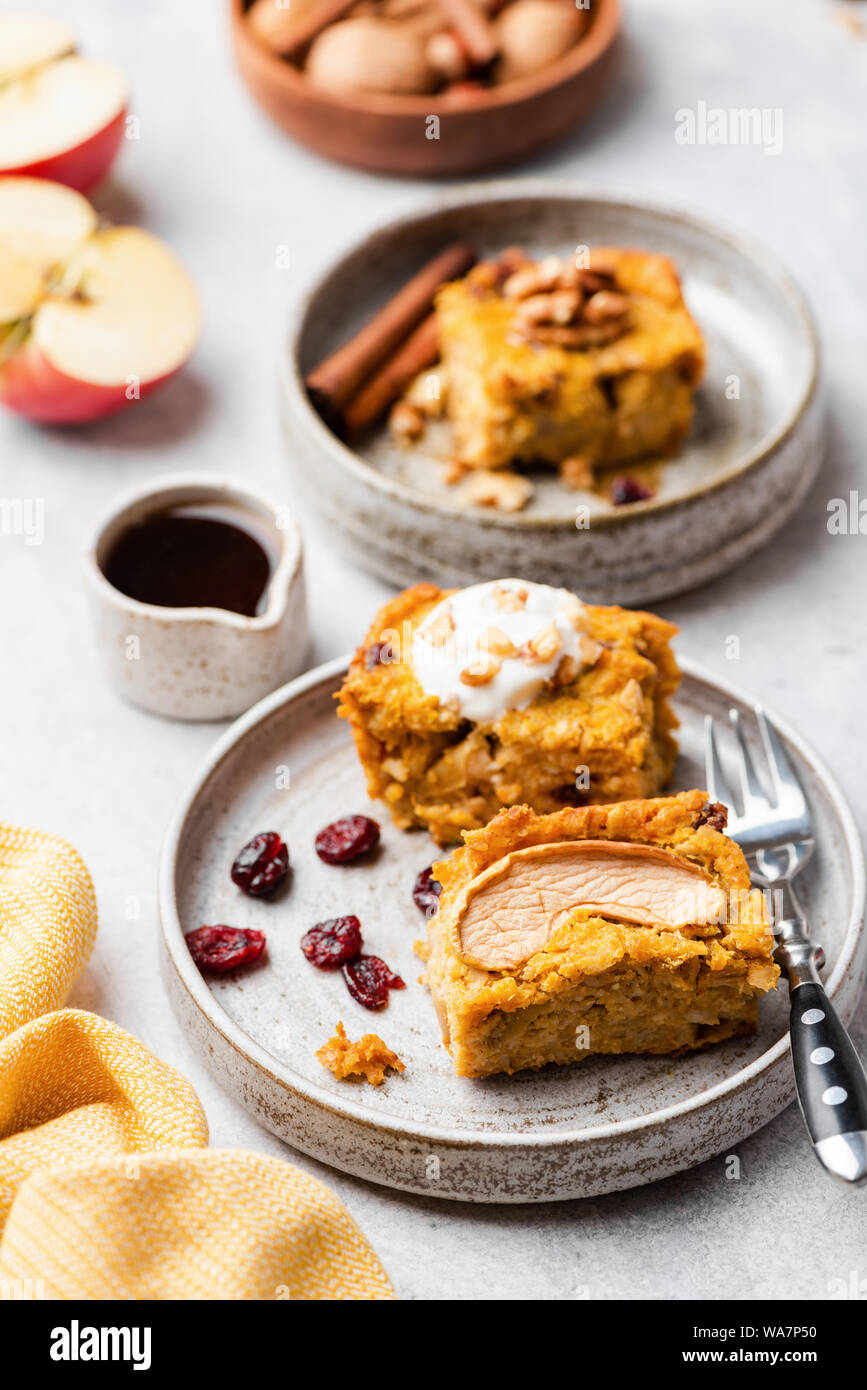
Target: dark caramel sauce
<point>204,555</point>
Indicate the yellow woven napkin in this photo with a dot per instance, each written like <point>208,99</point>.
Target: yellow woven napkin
<point>47,923</point>
<point>106,1188</point>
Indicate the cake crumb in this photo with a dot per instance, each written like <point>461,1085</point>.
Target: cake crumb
<point>498,488</point>
<point>368,1058</point>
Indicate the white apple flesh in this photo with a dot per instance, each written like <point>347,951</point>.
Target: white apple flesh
<point>29,41</point>
<point>90,320</point>
<point>61,116</point>
<point>43,221</point>
<point>41,226</point>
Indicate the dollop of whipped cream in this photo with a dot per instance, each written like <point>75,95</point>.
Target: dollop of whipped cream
<point>494,647</point>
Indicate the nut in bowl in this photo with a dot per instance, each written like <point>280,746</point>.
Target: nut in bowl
<point>438,87</point>
<point>196,591</point>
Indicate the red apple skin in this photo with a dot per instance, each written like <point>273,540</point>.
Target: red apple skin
<point>33,387</point>
<point>84,165</point>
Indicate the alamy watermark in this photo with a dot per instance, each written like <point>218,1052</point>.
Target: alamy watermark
<point>24,517</point>
<point>761,126</point>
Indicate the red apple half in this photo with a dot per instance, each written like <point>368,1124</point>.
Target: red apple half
<point>61,116</point>
<point>91,320</point>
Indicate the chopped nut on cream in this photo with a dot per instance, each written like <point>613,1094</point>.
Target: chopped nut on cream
<point>482,671</point>
<point>509,639</point>
<point>544,647</point>
<point>510,600</point>
<point>497,643</point>
<point>441,631</point>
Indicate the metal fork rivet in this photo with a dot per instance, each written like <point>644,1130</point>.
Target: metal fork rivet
<point>835,1095</point>
<point>820,1055</point>
<point>812,1016</point>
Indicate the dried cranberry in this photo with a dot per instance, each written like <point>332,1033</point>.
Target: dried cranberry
<point>346,839</point>
<point>332,943</point>
<point>628,489</point>
<point>712,813</point>
<point>426,892</point>
<point>369,979</point>
<point>261,865</point>
<point>378,654</point>
<point>224,948</point>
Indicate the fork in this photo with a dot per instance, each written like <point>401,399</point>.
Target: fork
<point>776,835</point>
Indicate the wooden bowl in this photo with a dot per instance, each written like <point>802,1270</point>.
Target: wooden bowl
<point>387,134</point>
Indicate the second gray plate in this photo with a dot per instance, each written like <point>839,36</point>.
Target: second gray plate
<point>754,450</point>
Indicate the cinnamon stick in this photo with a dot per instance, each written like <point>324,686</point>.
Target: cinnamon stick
<point>335,381</point>
<point>420,350</point>
<point>475,32</point>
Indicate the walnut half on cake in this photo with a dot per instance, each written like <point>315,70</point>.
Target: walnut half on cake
<point>599,929</point>
<point>464,701</point>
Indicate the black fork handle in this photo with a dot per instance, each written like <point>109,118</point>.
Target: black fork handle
<point>830,1080</point>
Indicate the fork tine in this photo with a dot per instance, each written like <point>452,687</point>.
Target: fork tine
<point>784,777</point>
<point>717,786</point>
<point>753,794</point>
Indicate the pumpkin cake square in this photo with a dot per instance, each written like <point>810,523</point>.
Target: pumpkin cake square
<point>595,364</point>
<point>628,928</point>
<point>464,701</point>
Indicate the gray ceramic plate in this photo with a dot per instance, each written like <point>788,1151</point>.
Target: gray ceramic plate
<point>747,464</point>
<point>604,1124</point>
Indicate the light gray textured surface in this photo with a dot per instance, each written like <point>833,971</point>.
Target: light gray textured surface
<point>226,190</point>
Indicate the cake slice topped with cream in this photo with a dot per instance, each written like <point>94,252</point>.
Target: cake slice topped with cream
<point>493,647</point>
<point>510,692</point>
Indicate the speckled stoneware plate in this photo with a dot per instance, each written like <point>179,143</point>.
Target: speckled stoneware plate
<point>754,450</point>
<point>604,1124</point>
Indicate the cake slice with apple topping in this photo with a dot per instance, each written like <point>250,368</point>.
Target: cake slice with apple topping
<point>602,929</point>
